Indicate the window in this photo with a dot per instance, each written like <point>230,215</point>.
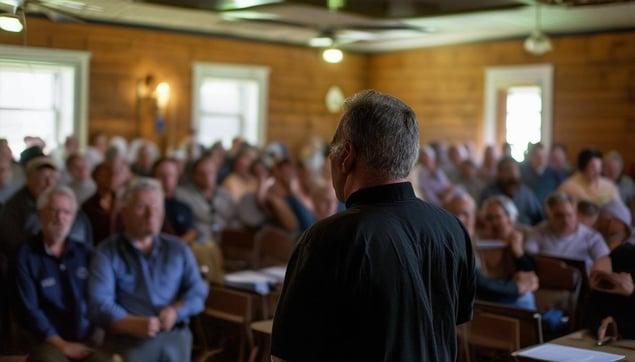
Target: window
<point>523,119</point>
<point>43,94</point>
<point>518,106</point>
<point>229,101</point>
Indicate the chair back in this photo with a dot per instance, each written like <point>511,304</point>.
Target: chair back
<point>497,330</point>
<point>234,307</point>
<point>561,286</point>
<point>275,246</point>
<point>239,249</point>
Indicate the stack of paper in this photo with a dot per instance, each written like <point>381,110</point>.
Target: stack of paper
<point>559,353</point>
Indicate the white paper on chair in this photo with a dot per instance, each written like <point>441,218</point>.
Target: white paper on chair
<point>277,272</point>
<point>251,279</point>
<point>559,353</point>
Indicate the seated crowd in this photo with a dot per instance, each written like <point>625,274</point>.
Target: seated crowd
<point>113,240</point>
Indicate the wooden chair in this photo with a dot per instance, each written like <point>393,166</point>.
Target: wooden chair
<point>561,285</point>
<point>275,246</point>
<point>231,307</point>
<point>239,248</point>
<point>497,330</point>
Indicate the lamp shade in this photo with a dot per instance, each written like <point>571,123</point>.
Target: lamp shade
<point>10,23</point>
<point>537,43</point>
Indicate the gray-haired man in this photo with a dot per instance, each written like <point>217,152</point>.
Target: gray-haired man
<point>390,277</point>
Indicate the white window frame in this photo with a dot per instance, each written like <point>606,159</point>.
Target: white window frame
<point>202,70</point>
<point>500,78</point>
<point>78,60</point>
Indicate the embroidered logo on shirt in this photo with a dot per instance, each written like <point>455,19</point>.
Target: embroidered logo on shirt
<point>48,282</point>
<point>82,272</point>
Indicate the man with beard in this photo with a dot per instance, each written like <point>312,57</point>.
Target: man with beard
<point>52,275</point>
<point>508,183</point>
<point>144,285</point>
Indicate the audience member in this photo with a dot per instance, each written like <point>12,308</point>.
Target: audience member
<point>500,214</point>
<point>469,179</point>
<point>462,205</point>
<point>587,182</point>
<point>241,181</point>
<point>562,236</point>
<point>213,207</point>
<point>18,218</point>
<point>144,285</point>
<point>537,174</point>
<point>558,160</point>
<point>60,155</point>
<point>145,155</point>
<point>7,186</point>
<point>587,213</point>
<point>79,179</point>
<point>284,200</point>
<point>612,300</point>
<point>487,170</point>
<point>508,183</point>
<point>100,208</point>
<point>96,151</point>
<point>456,156</point>
<point>179,219</point>
<point>52,278</point>
<point>613,169</point>
<point>433,182</point>
<point>614,223</point>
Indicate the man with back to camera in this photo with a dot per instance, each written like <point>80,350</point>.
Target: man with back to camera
<point>389,278</point>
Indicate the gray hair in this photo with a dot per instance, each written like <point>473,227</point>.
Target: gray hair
<point>504,202</point>
<point>614,155</point>
<point>141,184</point>
<point>45,197</point>
<point>557,197</point>
<point>383,131</point>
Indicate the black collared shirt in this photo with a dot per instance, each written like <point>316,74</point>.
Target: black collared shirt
<point>388,279</point>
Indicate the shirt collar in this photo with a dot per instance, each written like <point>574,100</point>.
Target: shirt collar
<point>156,245</point>
<point>382,193</point>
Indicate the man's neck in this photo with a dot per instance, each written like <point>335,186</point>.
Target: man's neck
<point>55,247</point>
<point>358,181</point>
<point>144,244</point>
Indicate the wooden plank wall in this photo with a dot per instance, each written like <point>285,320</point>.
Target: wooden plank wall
<point>594,88</point>
<point>121,56</point>
<point>594,95</point>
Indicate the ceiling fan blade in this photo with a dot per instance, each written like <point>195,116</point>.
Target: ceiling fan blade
<point>215,5</point>
<point>53,13</point>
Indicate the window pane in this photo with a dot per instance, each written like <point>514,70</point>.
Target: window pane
<point>214,128</point>
<point>19,89</point>
<point>524,119</point>
<point>220,96</point>
<point>15,125</point>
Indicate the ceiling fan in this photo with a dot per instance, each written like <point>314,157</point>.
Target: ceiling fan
<point>13,12</point>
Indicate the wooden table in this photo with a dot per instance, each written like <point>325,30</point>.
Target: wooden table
<point>584,339</point>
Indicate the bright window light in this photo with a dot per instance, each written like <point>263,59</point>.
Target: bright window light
<point>524,119</point>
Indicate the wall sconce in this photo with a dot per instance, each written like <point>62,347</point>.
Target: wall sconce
<point>160,93</point>
<point>162,96</point>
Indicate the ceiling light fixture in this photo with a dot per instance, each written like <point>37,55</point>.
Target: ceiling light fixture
<point>12,23</point>
<point>537,43</point>
<point>332,55</point>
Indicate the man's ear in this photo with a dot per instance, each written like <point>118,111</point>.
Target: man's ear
<point>348,159</point>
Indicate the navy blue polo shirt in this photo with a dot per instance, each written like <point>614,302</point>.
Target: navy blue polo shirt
<point>53,290</point>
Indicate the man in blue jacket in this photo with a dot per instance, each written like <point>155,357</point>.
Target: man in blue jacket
<point>52,275</point>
